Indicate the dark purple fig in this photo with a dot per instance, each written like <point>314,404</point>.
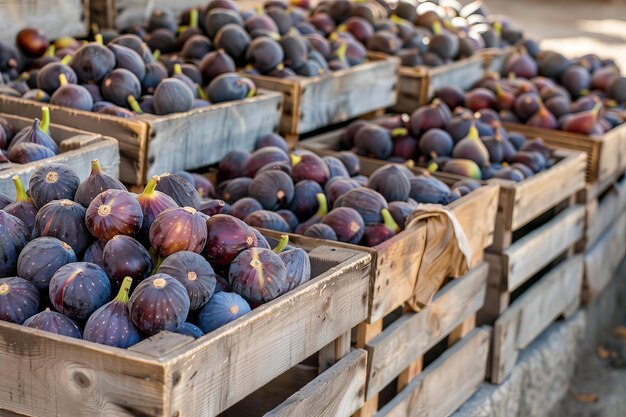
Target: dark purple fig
<point>196,47</point>
<point>111,324</point>
<point>53,182</point>
<point>233,39</point>
<point>376,234</point>
<point>290,218</point>
<point>216,63</point>
<point>161,40</point>
<point>372,140</point>
<point>480,98</point>
<point>264,54</point>
<point>321,231</point>
<point>127,58</point>
<point>23,207</point>
<point>273,189</point>
<point>48,76</point>
<point>436,115</point>
<point>472,148</point>
<point>304,203</point>
<point>390,182</point>
<point>436,142</point>
<point>267,220</point>
<point>532,159</point>
<point>262,157</point>
<point>172,96</point>
<point>19,300</point>
<point>178,229</point>
<point>463,167</point>
<point>114,212</point>
<point>41,258</point>
<point>336,168</point>
<point>227,237</point>
<point>53,322</point>
<point>347,224</point>
<point>339,187</point>
<point>367,202</point>
<point>92,62</point>
<point>24,153</point>
<point>232,165</point>
<point>258,275</point>
<point>181,190</point>
<point>213,207</point>
<point>235,189</point>
<point>162,19</point>
<point>78,289</point>
<point>351,162</point>
<point>524,169</point>
<point>298,268</point>
<point>36,134</point>
<point>152,203</point>
<point>119,85</point>
<point>203,186</point>
<point>191,330</point>
<point>272,139</point>
<point>400,211</point>
<point>261,240</point>
<point>97,182</point>
<point>309,166</point>
<point>155,73</point>
<point>243,207</point>
<point>230,87</point>
<point>428,189</point>
<point>221,309</point>
<point>276,166</point>
<point>72,96</point>
<point>194,272</point>
<point>94,253</point>
<point>159,303</point>
<point>452,96</point>
<point>124,257</point>
<point>384,41</point>
<point>64,220</point>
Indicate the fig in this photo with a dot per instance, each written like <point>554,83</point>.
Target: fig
<point>472,148</point>
<point>41,258</point>
<point>23,207</point>
<point>267,220</point>
<point>509,173</point>
<point>376,234</point>
<point>162,19</point>
<point>374,141</point>
<point>36,134</point>
<point>272,139</point>
<point>48,76</point>
<point>152,203</point>
<point>336,168</point>
<point>384,41</point>
<point>261,157</point>
<point>128,59</point>
<point>94,253</point>
<point>339,187</point>
<point>234,40</point>
<point>264,54</point>
<point>429,117</point>
<point>520,64</point>
<point>188,329</point>
<point>235,189</point>
<point>124,257</point>
<point>64,220</point>
<point>304,203</point>
<point>221,309</point>
<point>400,211</point>
<point>203,186</point>
<point>321,231</point>
<point>92,62</point>
<point>273,189</point>
<point>32,42</point>
<point>532,159</point>
<point>113,212</point>
<point>230,87</point>
<point>78,289</point>
<point>452,96</point>
<point>428,189</point>
<point>576,80</point>
<point>543,118</point>
<point>309,166</point>
<point>97,182</point>
<point>585,122</point>
<point>290,218</point>
<point>178,229</point>
<point>213,207</point>
<point>616,88</point>
<point>227,237</point>
<point>172,96</point>
<point>298,268</point>
<point>194,272</point>
<point>243,207</point>
<point>119,85</point>
<point>480,98</point>
<point>295,48</point>
<point>278,166</point>
<point>181,190</point>
<point>390,182</point>
<point>258,275</point>
<point>53,322</point>
<point>19,300</point>
<point>196,47</point>
<point>72,96</point>
<point>444,43</point>
<point>161,40</point>
<point>232,165</point>
<point>351,162</point>
<point>347,224</point>
<point>367,202</point>
<point>155,72</point>
<point>159,303</point>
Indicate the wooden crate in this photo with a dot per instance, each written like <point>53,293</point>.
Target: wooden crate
<point>556,293</point>
<point>151,145</point>
<point>396,353</point>
<point>78,149</point>
<point>417,85</point>
<point>55,18</point>
<point>311,103</point>
<point>606,154</point>
<point>45,374</point>
<point>122,14</point>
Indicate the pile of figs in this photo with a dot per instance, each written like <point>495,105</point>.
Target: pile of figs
<point>463,142</point>
<point>29,144</point>
<point>585,95</point>
<point>92,260</point>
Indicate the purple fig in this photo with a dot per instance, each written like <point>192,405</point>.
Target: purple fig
<point>23,207</point>
<point>321,231</point>
<point>152,203</point>
<point>367,202</point>
<point>221,309</point>
<point>41,258</point>
<point>390,182</point>
<point>93,253</point>
<point>53,322</point>
<point>227,237</point>
<point>64,220</point>
<point>181,190</point>
<point>273,189</point>
<point>347,224</point>
<point>191,330</point>
<point>258,275</point>
<point>19,300</point>
<point>113,212</point>
<point>124,257</point>
<point>53,182</point>
<point>178,229</point>
<point>194,272</point>
<point>97,182</point>
<point>309,166</point>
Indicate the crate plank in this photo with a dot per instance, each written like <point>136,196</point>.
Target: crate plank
<point>446,383</point>
<point>602,213</point>
<point>415,333</point>
<point>338,392</point>
<point>533,312</point>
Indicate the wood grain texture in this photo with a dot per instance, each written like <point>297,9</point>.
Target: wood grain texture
<point>531,253</point>
<point>414,334</point>
<point>602,213</point>
<point>533,312</point>
<point>447,382</point>
<point>338,392</point>
<point>270,340</point>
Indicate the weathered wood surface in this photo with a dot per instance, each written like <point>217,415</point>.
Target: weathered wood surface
<point>55,18</point>
<point>447,382</point>
<point>603,211</point>
<point>533,312</point>
<point>78,149</point>
<point>414,334</point>
<point>338,392</point>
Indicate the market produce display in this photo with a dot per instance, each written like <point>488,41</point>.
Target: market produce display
<point>29,144</point>
<point>90,259</point>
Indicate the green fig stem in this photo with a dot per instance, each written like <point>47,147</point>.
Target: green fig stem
<point>150,186</point>
<point>437,28</point>
<point>399,131</point>
<point>201,92</point>
<point>295,159</point>
<point>95,167</point>
<point>66,59</point>
<point>282,244</point>
<point>20,191</point>
<point>497,27</point>
<point>252,92</point>
<point>98,39</point>
<point>62,79</point>
<point>473,132</point>
<point>122,295</point>
<point>50,51</point>
<point>322,210</point>
<point>432,167</point>
<point>193,18</point>
<point>134,105</point>
<point>341,28</point>
<point>389,222</point>
<point>158,260</point>
<point>596,108</point>
<point>178,69</point>
<point>44,125</point>
<point>156,54</point>
<point>182,28</point>
<point>95,28</point>
<point>409,163</point>
<point>341,51</point>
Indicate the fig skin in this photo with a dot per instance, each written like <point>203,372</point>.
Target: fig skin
<point>111,324</point>
<point>428,189</point>
<point>230,87</point>
<point>214,206</point>
<point>97,182</point>
<point>25,153</point>
<point>113,212</point>
<point>53,182</point>
<point>152,203</point>
<point>191,330</point>
<point>221,309</point>
<point>159,303</point>
<point>227,237</point>
<point>215,63</point>
<point>273,189</point>
<point>258,275</point>
<point>23,207</point>
<point>64,220</point>
<point>367,202</point>
<point>94,253</point>
<point>290,218</point>
<point>336,168</point>
<point>19,300</point>
<point>178,229</point>
<point>128,59</point>
<point>298,268</point>
<point>304,203</point>
<point>309,167</point>
<point>78,289</point>
<point>181,190</point>
<point>41,258</point>
<point>92,62</point>
<point>272,139</point>
<point>347,224</point>
<point>195,273</point>
<point>374,141</point>
<point>260,158</point>
<point>321,231</point>
<point>243,207</point>
<point>119,85</point>
<point>400,211</point>
<point>35,134</point>
<point>267,220</point>
<point>172,96</point>
<point>236,189</point>
<point>391,183</point>
<point>124,257</point>
<point>336,188</point>
<point>53,322</point>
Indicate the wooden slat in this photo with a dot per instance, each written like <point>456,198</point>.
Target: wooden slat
<point>446,383</point>
<point>414,334</point>
<point>161,344</point>
<point>338,392</point>
<point>602,214</point>
<point>534,251</point>
<point>533,312</point>
<point>272,339</point>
